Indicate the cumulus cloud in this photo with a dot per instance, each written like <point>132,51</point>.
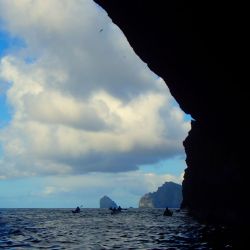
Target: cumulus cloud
<point>82,100</point>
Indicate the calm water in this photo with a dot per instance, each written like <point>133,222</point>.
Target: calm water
<point>98,229</point>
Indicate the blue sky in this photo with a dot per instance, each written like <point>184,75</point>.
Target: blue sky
<point>87,117</point>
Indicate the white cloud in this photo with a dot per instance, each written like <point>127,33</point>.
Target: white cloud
<point>85,102</point>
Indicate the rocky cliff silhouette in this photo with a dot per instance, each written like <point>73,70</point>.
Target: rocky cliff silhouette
<point>197,47</point>
<point>168,195</point>
<point>106,202</point>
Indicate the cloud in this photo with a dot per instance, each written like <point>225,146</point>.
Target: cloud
<point>69,191</point>
<point>125,188</point>
<point>82,100</point>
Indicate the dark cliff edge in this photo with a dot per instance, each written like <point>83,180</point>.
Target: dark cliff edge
<point>168,195</point>
<point>196,49</point>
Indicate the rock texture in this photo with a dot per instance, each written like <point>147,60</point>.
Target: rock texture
<point>106,202</point>
<point>168,195</point>
<point>196,47</point>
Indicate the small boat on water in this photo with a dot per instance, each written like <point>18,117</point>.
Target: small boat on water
<point>168,212</point>
<point>77,210</point>
<point>115,210</point>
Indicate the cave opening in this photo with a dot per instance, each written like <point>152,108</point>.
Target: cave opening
<point>62,118</point>
<point>196,48</point>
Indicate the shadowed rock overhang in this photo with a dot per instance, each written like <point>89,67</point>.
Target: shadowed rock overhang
<point>196,49</point>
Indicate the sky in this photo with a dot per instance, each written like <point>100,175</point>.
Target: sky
<point>81,115</point>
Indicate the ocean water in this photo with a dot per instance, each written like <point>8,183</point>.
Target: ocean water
<point>98,229</point>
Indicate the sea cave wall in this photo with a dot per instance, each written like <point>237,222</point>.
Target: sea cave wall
<point>194,47</point>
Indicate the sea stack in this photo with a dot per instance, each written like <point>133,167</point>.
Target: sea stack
<point>106,202</point>
<point>168,195</point>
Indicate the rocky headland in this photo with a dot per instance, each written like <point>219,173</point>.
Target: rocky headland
<point>168,195</point>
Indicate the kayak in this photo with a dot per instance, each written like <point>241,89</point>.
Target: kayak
<point>75,212</point>
<point>115,212</point>
<point>168,213</point>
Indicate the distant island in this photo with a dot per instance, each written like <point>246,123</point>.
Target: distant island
<point>106,202</point>
<point>168,195</point>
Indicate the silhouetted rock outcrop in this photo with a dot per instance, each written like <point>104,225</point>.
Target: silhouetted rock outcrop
<point>106,202</point>
<point>196,47</point>
<point>168,195</point>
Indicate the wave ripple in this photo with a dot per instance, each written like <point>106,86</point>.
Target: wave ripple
<point>99,230</point>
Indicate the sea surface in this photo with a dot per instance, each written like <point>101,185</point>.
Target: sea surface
<point>97,229</point>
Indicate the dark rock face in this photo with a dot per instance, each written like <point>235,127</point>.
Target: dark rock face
<point>106,202</point>
<point>196,48</point>
<point>168,195</point>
